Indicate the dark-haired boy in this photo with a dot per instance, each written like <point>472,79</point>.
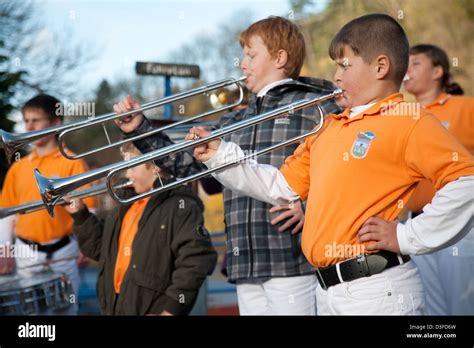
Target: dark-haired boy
<point>51,237</point>
<point>358,173</point>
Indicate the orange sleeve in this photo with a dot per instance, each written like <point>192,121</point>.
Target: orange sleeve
<point>433,153</point>
<point>8,197</point>
<point>296,169</point>
<point>80,167</point>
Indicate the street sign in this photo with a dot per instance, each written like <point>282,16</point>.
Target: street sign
<point>180,70</point>
<point>167,70</point>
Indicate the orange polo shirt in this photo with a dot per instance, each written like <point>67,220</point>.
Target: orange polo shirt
<point>456,113</point>
<point>20,187</point>
<point>367,166</point>
<point>127,234</point>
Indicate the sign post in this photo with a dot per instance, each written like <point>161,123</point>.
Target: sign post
<point>167,70</point>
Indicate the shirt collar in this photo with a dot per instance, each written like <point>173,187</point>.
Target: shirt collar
<point>271,85</point>
<point>373,108</point>
<point>358,109</point>
<point>53,154</point>
<point>441,100</point>
<point>141,202</point>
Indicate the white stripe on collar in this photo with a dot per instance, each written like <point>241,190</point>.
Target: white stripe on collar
<point>271,85</point>
<point>361,108</point>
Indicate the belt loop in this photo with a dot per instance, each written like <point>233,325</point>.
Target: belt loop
<point>320,278</point>
<point>400,259</point>
<point>338,271</point>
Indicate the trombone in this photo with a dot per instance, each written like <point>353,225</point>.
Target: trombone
<point>13,141</point>
<point>39,205</point>
<point>52,189</point>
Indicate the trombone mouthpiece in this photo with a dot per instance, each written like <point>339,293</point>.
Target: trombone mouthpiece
<point>337,92</point>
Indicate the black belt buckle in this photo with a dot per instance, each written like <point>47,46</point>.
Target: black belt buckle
<point>320,278</point>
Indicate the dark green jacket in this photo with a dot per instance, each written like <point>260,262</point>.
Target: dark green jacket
<point>171,255</point>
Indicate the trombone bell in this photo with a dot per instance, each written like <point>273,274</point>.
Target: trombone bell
<point>47,191</point>
<point>10,144</point>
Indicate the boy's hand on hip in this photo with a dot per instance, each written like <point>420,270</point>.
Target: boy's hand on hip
<point>382,234</point>
<point>294,216</point>
<point>206,151</point>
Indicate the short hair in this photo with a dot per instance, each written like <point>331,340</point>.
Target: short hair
<point>279,33</point>
<point>50,105</point>
<point>371,35</point>
<point>129,148</point>
<point>439,57</point>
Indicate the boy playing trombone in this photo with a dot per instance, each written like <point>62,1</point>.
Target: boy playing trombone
<point>153,254</point>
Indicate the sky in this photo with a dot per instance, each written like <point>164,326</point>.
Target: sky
<point>122,32</point>
<point>125,31</point>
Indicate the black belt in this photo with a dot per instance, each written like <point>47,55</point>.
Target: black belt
<point>49,249</point>
<point>362,266</point>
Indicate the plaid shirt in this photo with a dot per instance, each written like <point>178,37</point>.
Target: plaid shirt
<point>255,248</point>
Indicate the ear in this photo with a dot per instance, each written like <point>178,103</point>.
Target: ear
<point>382,66</point>
<point>281,59</point>
<point>156,170</point>
<point>438,72</point>
<point>57,121</point>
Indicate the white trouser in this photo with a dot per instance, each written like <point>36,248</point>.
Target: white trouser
<point>397,290</point>
<point>68,267</point>
<point>277,296</point>
<point>7,229</point>
<point>448,278</point>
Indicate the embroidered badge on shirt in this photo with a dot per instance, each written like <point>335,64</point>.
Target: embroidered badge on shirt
<point>362,144</point>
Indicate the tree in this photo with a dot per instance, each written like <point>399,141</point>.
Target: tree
<point>299,6</point>
<point>33,60</point>
<point>448,26</point>
<point>8,84</point>
<point>217,53</point>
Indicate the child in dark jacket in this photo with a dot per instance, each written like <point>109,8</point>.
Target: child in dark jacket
<point>153,255</point>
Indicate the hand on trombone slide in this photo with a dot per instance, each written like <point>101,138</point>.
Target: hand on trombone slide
<point>206,151</point>
<point>131,122</point>
<point>73,204</point>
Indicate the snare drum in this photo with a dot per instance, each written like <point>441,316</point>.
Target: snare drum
<point>34,295</point>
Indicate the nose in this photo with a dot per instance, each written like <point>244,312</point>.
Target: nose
<point>243,65</point>
<point>337,78</point>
